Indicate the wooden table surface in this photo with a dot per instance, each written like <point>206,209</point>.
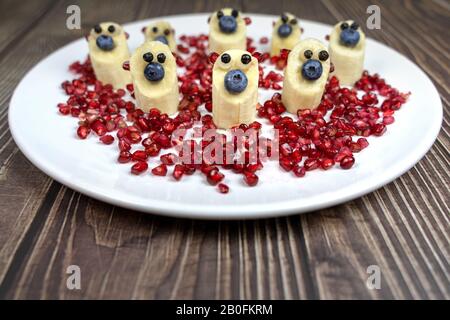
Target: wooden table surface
<point>45,227</point>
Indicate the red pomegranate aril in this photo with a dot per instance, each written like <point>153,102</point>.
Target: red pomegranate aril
<point>168,159</point>
<point>139,167</point>
<point>286,164</point>
<point>64,109</point>
<point>299,171</point>
<point>153,150</point>
<point>326,164</point>
<point>139,155</point>
<point>379,129</point>
<point>363,143</point>
<point>214,177</point>
<point>347,162</point>
<point>160,170</point>
<point>251,179</point>
<point>387,120</point>
<point>83,132</point>
<point>264,40</point>
<point>107,139</point>
<point>178,172</point>
<point>99,128</point>
<point>223,188</point>
<point>311,164</point>
<point>124,157</point>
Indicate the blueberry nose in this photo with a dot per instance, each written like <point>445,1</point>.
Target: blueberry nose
<point>162,39</point>
<point>349,37</point>
<point>227,24</point>
<point>312,69</point>
<point>154,71</point>
<point>105,43</point>
<point>235,81</point>
<point>284,30</point>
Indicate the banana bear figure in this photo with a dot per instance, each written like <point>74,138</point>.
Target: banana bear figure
<point>153,70</point>
<point>286,34</point>
<point>227,30</point>
<point>234,88</point>
<point>161,31</point>
<point>108,51</point>
<point>347,48</point>
<point>306,75</point>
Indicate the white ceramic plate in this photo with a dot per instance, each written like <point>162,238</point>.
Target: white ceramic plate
<point>49,141</point>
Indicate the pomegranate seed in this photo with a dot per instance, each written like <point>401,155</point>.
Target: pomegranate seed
<point>326,164</point>
<point>139,155</point>
<point>168,159</point>
<point>83,132</point>
<point>311,164</point>
<point>160,170</point>
<point>388,120</point>
<point>363,143</point>
<point>299,171</point>
<point>124,157</point>
<point>64,109</point>
<point>347,162</point>
<point>286,164</point>
<point>107,139</point>
<point>251,179</point>
<point>139,167</point>
<point>214,177</point>
<point>178,172</point>
<point>264,40</point>
<point>247,20</point>
<point>126,66</point>
<point>223,188</point>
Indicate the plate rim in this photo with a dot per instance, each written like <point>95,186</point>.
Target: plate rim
<point>231,212</point>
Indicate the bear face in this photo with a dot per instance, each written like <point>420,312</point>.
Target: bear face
<point>235,88</point>
<point>306,75</point>
<point>107,39</point>
<point>227,30</point>
<point>347,50</point>
<point>108,51</point>
<point>153,70</point>
<point>161,31</point>
<point>286,33</point>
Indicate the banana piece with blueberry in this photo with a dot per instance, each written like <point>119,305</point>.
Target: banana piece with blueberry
<point>306,75</point>
<point>108,50</point>
<point>234,88</point>
<point>286,34</point>
<point>227,30</point>
<point>153,70</point>
<point>347,48</point>
<point>161,31</point>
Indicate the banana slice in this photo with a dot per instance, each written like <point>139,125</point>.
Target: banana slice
<point>108,51</point>
<point>286,34</point>
<point>234,88</point>
<point>227,30</point>
<point>153,70</point>
<point>161,31</point>
<point>306,75</point>
<point>347,48</point>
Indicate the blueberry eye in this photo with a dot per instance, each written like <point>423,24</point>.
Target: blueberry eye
<point>293,21</point>
<point>167,32</point>
<point>219,14</point>
<point>354,26</point>
<point>148,57</point>
<point>235,13</point>
<point>284,18</point>
<point>344,25</point>
<point>308,54</point>
<point>111,29</point>
<point>98,29</point>
<point>323,55</point>
<point>245,59</point>
<point>161,57</point>
<point>155,29</point>
<point>225,58</point>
